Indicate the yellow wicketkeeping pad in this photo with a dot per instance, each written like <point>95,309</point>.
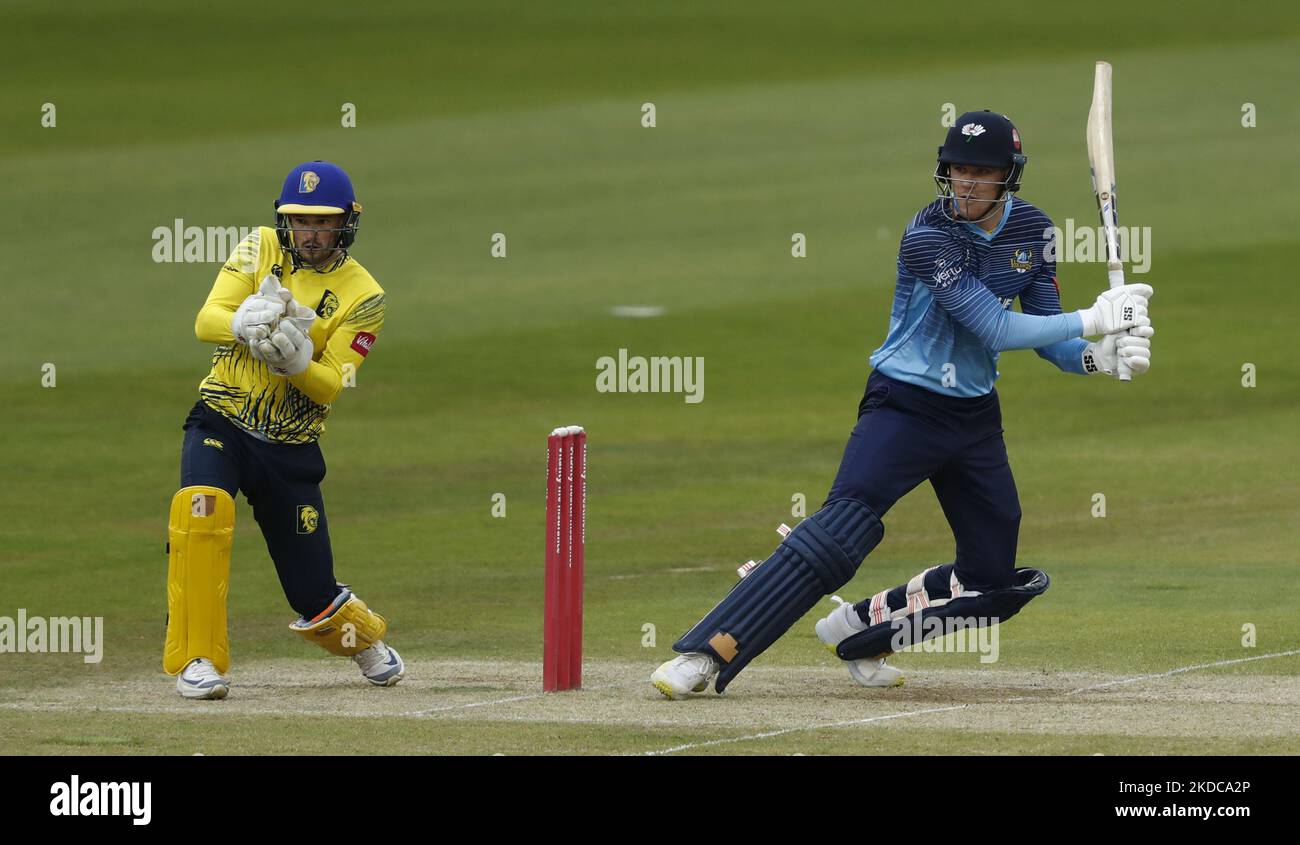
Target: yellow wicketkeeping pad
<point>200,531</point>
<point>351,629</point>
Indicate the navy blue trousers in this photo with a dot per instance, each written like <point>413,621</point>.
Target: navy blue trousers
<point>282,483</point>
<point>906,435</point>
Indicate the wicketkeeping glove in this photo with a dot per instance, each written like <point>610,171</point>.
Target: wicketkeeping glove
<point>294,348</point>
<point>259,309</point>
<point>1133,347</point>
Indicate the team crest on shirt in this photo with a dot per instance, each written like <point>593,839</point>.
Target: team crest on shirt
<point>1022,260</point>
<point>307,518</point>
<point>329,303</point>
<point>307,182</point>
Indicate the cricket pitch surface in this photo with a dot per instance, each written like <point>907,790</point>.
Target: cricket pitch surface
<point>497,707</point>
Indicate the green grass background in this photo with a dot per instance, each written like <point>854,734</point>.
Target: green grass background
<point>475,118</point>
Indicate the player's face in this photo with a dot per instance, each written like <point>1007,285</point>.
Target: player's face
<point>975,188</point>
<point>314,236</point>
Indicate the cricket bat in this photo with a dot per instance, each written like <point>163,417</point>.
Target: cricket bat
<point>1101,162</point>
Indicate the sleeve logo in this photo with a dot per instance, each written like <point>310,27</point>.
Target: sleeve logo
<point>945,274</point>
<point>363,343</point>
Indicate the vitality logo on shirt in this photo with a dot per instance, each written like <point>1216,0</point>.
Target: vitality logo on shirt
<point>1022,260</point>
<point>363,343</point>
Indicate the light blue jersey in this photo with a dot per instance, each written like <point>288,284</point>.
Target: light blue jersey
<point>952,302</point>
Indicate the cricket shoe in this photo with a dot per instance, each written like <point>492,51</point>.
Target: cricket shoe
<point>381,664</point>
<point>685,674</point>
<point>842,623</point>
<point>200,679</point>
<point>875,672</point>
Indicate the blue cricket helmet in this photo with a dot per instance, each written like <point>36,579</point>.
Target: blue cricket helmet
<point>982,139</point>
<point>318,187</point>
<point>986,139</point>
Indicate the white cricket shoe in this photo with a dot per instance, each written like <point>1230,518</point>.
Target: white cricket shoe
<point>874,672</point>
<point>200,679</point>
<point>842,623</point>
<point>381,664</point>
<point>685,674</point>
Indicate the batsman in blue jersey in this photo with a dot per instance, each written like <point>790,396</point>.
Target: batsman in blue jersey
<point>930,413</point>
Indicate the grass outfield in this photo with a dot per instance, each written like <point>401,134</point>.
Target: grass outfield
<point>504,118</point>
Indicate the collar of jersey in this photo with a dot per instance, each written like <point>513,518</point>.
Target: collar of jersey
<point>308,269</point>
<point>988,236</point>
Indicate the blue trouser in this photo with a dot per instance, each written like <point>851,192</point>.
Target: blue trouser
<point>282,483</point>
<point>907,434</point>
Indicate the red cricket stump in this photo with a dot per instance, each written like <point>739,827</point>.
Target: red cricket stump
<point>566,519</point>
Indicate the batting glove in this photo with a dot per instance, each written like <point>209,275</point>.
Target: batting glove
<point>1132,347</point>
<point>1116,309</point>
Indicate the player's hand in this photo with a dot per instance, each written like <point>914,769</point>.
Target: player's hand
<point>259,309</point>
<point>1116,309</point>
<point>1133,347</point>
<point>301,316</point>
<point>261,347</point>
<point>293,347</point>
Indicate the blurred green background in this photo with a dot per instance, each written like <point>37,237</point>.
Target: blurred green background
<point>525,119</point>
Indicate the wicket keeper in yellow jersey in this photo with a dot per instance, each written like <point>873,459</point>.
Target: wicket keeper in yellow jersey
<point>291,312</point>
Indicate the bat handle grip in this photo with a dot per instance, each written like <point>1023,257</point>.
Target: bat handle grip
<point>1116,277</point>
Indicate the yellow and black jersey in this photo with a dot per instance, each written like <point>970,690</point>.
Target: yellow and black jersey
<point>349,307</point>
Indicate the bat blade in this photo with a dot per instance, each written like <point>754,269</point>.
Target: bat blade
<point>1101,163</point>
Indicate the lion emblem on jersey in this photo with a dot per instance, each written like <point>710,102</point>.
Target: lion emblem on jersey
<point>1022,260</point>
<point>329,303</point>
<point>307,518</point>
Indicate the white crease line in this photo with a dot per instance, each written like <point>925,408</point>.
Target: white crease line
<point>210,709</point>
<point>415,714</point>
<point>771,734</point>
<point>1179,671</point>
<point>203,709</point>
